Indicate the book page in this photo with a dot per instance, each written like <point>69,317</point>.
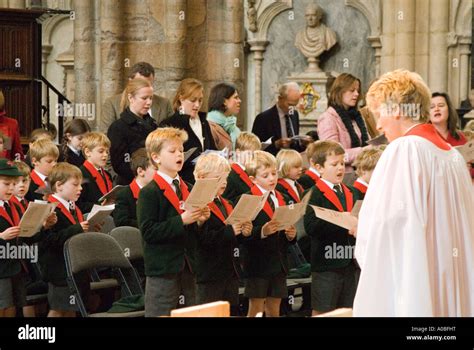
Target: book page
<point>204,191</point>
<point>34,217</point>
<point>247,208</point>
<point>289,215</point>
<point>345,219</point>
<point>467,151</point>
<point>99,213</point>
<point>189,153</point>
<point>111,196</point>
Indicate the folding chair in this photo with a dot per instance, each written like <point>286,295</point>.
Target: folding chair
<point>130,240</point>
<point>93,250</point>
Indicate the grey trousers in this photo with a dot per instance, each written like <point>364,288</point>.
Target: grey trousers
<point>168,292</point>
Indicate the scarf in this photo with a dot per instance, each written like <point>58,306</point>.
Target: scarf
<point>229,124</point>
<point>347,116</point>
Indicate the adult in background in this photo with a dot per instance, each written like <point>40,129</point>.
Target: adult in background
<point>223,105</point>
<point>187,103</point>
<point>160,108</point>
<point>415,237</point>
<point>11,133</point>
<point>281,122</point>
<point>342,122</point>
<point>128,133</point>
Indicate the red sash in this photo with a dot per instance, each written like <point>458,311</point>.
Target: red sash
<point>66,212</point>
<point>216,211</point>
<point>23,208</point>
<point>331,195</point>
<point>15,221</point>
<point>256,191</point>
<point>36,179</point>
<point>428,132</point>
<point>360,186</point>
<point>290,190</point>
<point>312,175</point>
<point>243,175</point>
<point>170,194</point>
<point>135,189</point>
<point>104,186</point>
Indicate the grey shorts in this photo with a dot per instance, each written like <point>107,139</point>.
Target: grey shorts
<point>334,289</point>
<point>12,292</point>
<point>274,287</point>
<point>60,298</point>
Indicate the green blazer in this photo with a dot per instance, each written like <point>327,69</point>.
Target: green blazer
<point>326,238</point>
<point>307,180</point>
<point>90,191</point>
<point>167,242</point>
<point>51,249</point>
<point>236,186</point>
<point>125,212</point>
<point>217,252</point>
<point>267,257</point>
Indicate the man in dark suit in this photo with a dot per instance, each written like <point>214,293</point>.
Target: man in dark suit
<point>281,122</point>
<point>160,107</point>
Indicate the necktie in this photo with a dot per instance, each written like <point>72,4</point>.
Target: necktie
<point>270,200</point>
<point>23,203</point>
<point>221,207</point>
<point>340,195</point>
<point>178,189</point>
<point>289,127</point>
<point>8,210</point>
<point>72,210</point>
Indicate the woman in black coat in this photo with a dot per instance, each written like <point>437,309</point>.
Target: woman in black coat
<point>129,133</point>
<point>187,103</point>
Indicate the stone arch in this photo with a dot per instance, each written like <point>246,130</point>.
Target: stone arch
<point>268,14</point>
<point>372,10</point>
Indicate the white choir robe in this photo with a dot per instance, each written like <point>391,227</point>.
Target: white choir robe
<point>415,237</point>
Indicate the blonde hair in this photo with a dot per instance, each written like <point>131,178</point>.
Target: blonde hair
<point>40,133</point>
<point>188,88</point>
<point>469,126</point>
<point>260,159</point>
<point>43,148</point>
<point>92,140</point>
<point>156,139</point>
<point>402,90</point>
<point>24,169</point>
<point>287,159</point>
<point>248,141</point>
<point>62,172</point>
<point>132,88</point>
<point>209,163</point>
<point>367,160</point>
<point>323,149</point>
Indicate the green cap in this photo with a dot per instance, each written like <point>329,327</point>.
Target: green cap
<point>8,168</point>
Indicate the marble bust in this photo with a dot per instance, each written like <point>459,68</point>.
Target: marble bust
<point>315,38</point>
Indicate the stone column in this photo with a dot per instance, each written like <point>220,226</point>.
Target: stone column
<point>388,37</point>
<point>377,46</point>
<point>422,38</point>
<point>17,4</point>
<point>405,34</point>
<point>438,61</point>
<point>258,48</point>
<point>111,47</point>
<point>84,41</point>
<point>464,77</point>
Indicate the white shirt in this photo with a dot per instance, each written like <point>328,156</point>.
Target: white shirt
<point>362,182</point>
<point>2,203</point>
<point>196,126</point>
<point>240,165</point>
<point>77,152</point>
<point>313,170</point>
<point>275,202</point>
<point>63,201</point>
<point>41,176</point>
<point>169,179</point>
<point>281,114</point>
<point>292,183</point>
<point>331,185</point>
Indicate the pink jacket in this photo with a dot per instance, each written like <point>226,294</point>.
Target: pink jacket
<point>331,127</point>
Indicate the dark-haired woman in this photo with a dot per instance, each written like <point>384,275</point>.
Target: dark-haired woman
<point>445,119</point>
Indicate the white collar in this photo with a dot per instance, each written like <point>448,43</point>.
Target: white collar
<point>76,151</point>
<point>330,184</point>
<point>19,198</point>
<point>411,127</point>
<point>167,178</point>
<point>240,165</point>
<point>290,181</point>
<point>62,201</point>
<point>313,170</point>
<point>42,177</point>
<point>2,203</point>
<point>362,182</point>
<point>264,191</point>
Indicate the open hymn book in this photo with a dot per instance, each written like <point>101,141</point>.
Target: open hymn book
<point>247,208</point>
<point>99,213</point>
<point>467,151</point>
<point>343,219</point>
<point>289,215</point>
<point>204,191</point>
<point>34,217</point>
